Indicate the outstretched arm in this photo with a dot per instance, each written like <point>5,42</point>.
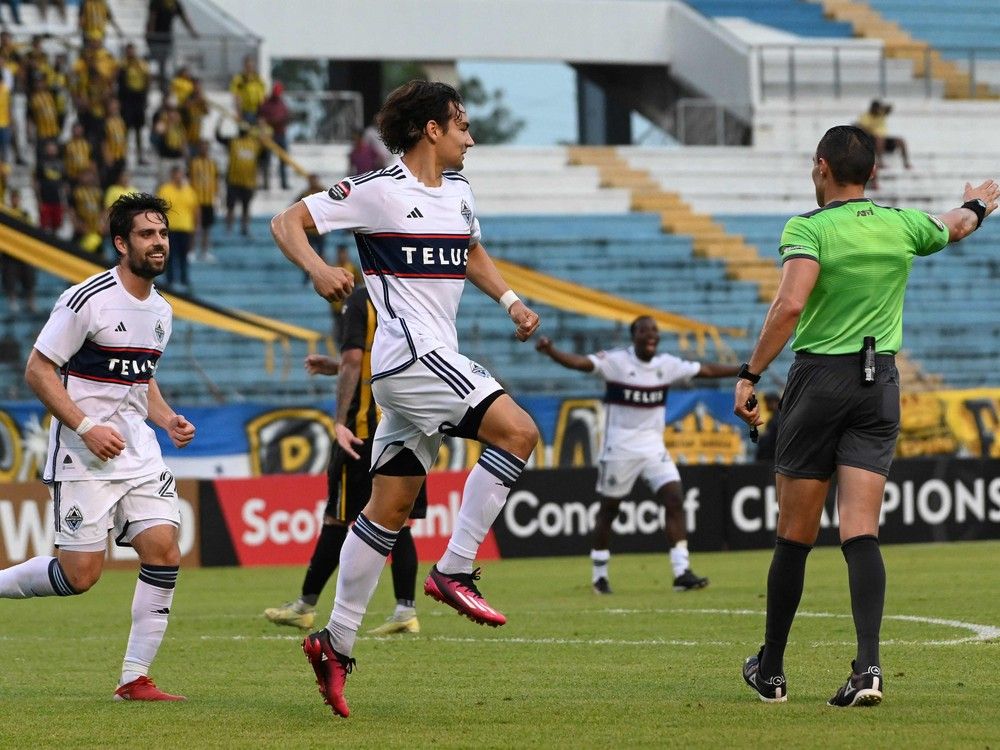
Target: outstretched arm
<point>716,370</point>
<point>566,359</point>
<point>961,221</point>
<point>484,274</point>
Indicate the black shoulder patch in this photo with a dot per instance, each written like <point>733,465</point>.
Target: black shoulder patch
<point>339,191</point>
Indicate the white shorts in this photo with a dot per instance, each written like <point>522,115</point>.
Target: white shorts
<point>86,510</point>
<point>617,478</point>
<point>425,402</point>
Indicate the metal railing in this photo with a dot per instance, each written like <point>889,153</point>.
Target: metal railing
<point>856,70</point>
<point>706,122</point>
<point>324,116</point>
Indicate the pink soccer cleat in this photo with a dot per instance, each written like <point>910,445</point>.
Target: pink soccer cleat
<point>459,591</point>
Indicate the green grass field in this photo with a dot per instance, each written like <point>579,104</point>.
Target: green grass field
<point>643,668</point>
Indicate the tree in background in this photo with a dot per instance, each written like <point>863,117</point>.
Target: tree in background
<point>490,119</point>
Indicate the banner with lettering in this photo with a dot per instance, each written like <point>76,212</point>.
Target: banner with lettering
<point>249,440</point>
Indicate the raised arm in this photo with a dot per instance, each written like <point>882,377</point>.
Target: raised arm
<point>717,370</point>
<point>484,274</point>
<point>289,231</point>
<point>566,359</point>
<point>964,220</point>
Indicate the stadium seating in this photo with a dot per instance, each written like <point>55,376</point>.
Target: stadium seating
<point>790,15</point>
<point>951,27</point>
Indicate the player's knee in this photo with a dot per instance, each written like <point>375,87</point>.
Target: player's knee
<point>523,438</point>
<point>81,579</point>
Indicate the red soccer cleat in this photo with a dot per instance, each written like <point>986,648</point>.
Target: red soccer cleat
<point>144,689</point>
<point>459,591</point>
<point>331,670</point>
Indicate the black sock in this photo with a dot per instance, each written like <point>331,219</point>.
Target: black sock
<point>404,566</point>
<point>325,558</point>
<point>784,590</point>
<point>866,574</point>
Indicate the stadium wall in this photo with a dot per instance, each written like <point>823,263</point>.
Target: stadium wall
<point>275,520</point>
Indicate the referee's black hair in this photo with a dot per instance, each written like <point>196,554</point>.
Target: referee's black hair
<point>850,152</point>
<point>130,205</point>
<point>408,109</point>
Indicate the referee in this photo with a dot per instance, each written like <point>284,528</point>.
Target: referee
<point>844,273</point>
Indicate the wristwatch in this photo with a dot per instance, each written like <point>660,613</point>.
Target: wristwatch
<point>745,374</point>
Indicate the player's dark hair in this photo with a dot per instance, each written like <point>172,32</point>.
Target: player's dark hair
<point>634,325</point>
<point>408,109</point>
<point>850,152</point>
<point>130,205</point>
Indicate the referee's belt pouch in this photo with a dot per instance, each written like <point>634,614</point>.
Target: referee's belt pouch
<point>868,361</point>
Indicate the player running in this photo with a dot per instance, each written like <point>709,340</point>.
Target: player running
<point>92,367</point>
<point>418,238</point>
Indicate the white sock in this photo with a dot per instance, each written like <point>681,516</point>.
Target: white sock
<point>600,558</point>
<point>679,557</point>
<point>362,559</point>
<point>39,576</point>
<point>485,492</point>
<point>403,612</point>
<point>154,593</point>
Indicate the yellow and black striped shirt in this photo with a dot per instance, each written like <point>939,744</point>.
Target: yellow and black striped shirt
<point>359,333</point>
<point>78,157</point>
<point>44,114</point>
<point>243,152</point>
<point>115,139</point>
<point>204,179</point>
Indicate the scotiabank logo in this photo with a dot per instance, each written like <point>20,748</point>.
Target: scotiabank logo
<point>276,520</point>
<point>273,520</point>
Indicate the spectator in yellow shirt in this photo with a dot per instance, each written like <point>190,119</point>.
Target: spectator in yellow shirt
<point>241,175</point>
<point>248,90</point>
<point>204,174</point>
<point>874,123</point>
<point>183,217</point>
<point>94,17</point>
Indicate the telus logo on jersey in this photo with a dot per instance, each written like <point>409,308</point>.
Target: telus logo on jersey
<point>433,256</point>
<point>114,364</point>
<point>627,395</point>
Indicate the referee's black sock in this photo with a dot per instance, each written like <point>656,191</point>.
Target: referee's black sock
<point>325,558</point>
<point>866,573</point>
<point>784,590</point>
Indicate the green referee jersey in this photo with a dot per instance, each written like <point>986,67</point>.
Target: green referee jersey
<point>865,252</point>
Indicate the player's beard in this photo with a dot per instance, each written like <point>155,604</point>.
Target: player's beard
<point>142,267</point>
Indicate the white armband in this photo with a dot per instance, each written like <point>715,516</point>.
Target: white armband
<point>508,298</point>
<point>85,426</point>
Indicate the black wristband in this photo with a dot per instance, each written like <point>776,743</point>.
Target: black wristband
<point>978,207</point>
<point>745,374</point>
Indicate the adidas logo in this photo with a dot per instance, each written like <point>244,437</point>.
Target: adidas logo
<point>121,328</point>
<point>67,460</point>
<point>415,214</point>
<point>164,611</point>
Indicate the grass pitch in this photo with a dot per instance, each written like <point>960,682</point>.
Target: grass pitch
<point>645,667</point>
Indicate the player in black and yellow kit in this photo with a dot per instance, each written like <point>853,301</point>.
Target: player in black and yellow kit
<point>350,483</point>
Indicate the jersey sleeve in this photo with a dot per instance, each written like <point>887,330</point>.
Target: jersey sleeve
<point>65,331</point>
<point>799,239</point>
<point>355,322</point>
<point>928,233</point>
<point>677,370</point>
<point>345,206</point>
<point>604,366</point>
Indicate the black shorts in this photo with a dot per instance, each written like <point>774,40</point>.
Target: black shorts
<point>829,419</point>
<point>238,195</point>
<point>207,217</point>
<point>349,485</point>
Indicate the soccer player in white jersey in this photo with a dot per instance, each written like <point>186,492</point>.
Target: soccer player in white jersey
<point>418,238</point>
<point>637,380</point>
<point>92,367</point>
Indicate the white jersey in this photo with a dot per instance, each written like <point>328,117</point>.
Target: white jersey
<point>413,242</point>
<point>636,399</point>
<point>106,344</point>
